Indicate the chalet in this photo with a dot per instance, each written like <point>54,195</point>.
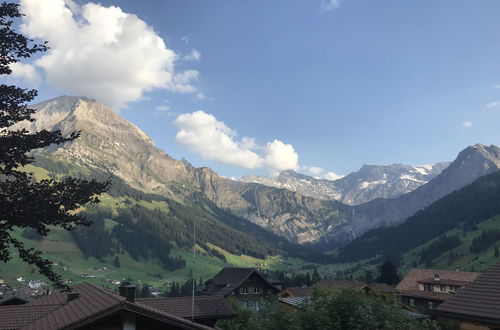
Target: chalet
<point>476,306</point>
<point>246,285</point>
<point>91,307</point>
<point>425,289</point>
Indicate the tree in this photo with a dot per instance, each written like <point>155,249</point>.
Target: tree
<point>116,262</point>
<point>495,253</point>
<point>24,201</point>
<point>388,274</point>
<point>145,291</point>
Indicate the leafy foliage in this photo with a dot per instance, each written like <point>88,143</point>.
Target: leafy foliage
<point>329,309</point>
<point>485,240</point>
<point>24,202</point>
<point>437,248</point>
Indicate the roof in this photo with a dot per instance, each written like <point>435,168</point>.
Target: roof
<point>382,287</point>
<point>299,291</point>
<point>478,300</point>
<point>294,301</point>
<point>204,306</point>
<point>410,282</point>
<point>443,282</point>
<point>340,284</point>
<point>229,279</point>
<point>426,294</point>
<point>55,312</point>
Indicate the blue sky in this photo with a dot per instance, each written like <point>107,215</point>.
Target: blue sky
<point>261,86</point>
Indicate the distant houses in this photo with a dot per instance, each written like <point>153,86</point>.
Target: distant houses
<point>425,289</point>
<point>477,306</point>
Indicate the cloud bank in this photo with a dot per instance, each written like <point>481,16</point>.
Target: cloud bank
<point>203,134</point>
<point>102,52</point>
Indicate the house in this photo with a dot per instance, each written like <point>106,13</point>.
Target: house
<point>17,297</point>
<point>91,307</point>
<point>246,285</point>
<point>476,306</point>
<point>206,310</point>
<point>295,292</point>
<point>340,284</point>
<point>425,289</point>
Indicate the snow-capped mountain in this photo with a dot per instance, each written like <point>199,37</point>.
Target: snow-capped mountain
<point>370,182</point>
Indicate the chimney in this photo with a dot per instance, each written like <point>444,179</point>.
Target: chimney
<point>436,277</point>
<point>72,296</point>
<point>127,291</point>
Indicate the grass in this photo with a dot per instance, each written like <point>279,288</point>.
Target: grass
<point>466,260</point>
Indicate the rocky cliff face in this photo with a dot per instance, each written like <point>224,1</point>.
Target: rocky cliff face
<point>110,143</point>
<point>369,183</point>
<point>471,163</point>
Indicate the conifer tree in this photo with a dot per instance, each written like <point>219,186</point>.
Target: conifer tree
<point>24,201</point>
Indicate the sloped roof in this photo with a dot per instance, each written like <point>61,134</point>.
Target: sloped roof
<point>480,299</point>
<point>410,281</point>
<point>55,312</point>
<point>299,291</point>
<point>294,301</point>
<point>204,306</point>
<point>382,287</point>
<point>17,316</point>
<point>230,278</point>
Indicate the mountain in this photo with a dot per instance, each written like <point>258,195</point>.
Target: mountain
<point>369,183</point>
<point>460,211</point>
<point>109,143</point>
<point>470,164</point>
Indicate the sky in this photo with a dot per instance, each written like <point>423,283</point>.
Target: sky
<point>318,86</point>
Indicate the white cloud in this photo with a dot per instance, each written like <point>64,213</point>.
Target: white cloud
<point>314,170</point>
<point>203,134</point>
<point>279,156</point>
<point>194,56</point>
<point>185,39</point>
<point>496,86</point>
<point>102,52</point>
<point>492,105</point>
<point>467,124</point>
<point>332,176</point>
<point>330,4</point>
<point>26,72</point>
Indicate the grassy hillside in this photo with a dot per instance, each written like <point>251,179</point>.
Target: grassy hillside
<point>127,219</point>
<point>460,256</point>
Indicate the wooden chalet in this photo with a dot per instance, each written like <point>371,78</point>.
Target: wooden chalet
<point>246,285</point>
<point>477,306</point>
<point>425,289</point>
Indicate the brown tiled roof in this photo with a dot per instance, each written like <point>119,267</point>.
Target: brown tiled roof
<point>480,299</point>
<point>410,281</point>
<point>55,312</point>
<point>204,306</point>
<point>382,287</point>
<point>17,316</point>
<point>299,291</point>
<point>426,294</point>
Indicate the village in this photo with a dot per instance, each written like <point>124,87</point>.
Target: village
<point>446,299</point>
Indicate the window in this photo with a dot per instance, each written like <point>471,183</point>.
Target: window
<point>256,290</point>
<point>430,305</point>
<point>243,290</point>
<point>412,303</point>
<point>442,288</point>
